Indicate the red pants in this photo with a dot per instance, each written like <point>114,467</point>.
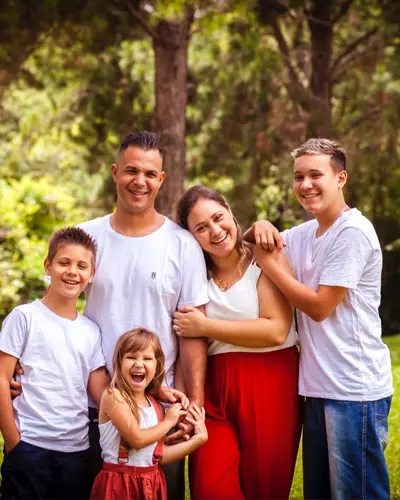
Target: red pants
<point>125,482</point>
<point>254,420</point>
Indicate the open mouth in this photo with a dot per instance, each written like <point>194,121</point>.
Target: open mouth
<point>221,240</point>
<point>310,196</point>
<point>138,194</point>
<point>71,282</point>
<point>138,377</point>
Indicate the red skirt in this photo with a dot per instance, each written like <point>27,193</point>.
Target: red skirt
<point>125,482</point>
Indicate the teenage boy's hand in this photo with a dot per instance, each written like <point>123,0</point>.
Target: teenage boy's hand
<point>15,387</point>
<point>265,235</point>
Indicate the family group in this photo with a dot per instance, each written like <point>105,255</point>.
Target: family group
<point>198,339</point>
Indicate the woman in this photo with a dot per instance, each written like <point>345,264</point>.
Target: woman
<point>251,399</point>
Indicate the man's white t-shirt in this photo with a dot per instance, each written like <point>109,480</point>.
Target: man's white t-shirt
<point>57,356</point>
<point>141,281</point>
<point>342,357</point>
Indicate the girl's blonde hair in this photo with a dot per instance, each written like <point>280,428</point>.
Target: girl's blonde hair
<point>130,342</point>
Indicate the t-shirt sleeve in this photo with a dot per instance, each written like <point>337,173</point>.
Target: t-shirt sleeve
<point>194,277</point>
<point>346,259</point>
<point>286,250</point>
<point>14,334</point>
<point>97,356</point>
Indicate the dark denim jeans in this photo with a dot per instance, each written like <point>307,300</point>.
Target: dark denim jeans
<point>34,473</point>
<point>343,445</point>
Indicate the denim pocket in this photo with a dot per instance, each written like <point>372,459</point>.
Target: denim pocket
<point>381,413</point>
<point>11,453</point>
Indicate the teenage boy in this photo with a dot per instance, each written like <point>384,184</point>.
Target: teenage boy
<point>345,371</point>
<point>45,429</point>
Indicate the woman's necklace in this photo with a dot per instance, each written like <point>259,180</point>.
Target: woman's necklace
<point>224,283</point>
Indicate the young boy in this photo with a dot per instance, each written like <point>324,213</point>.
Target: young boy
<point>345,370</point>
<point>45,429</point>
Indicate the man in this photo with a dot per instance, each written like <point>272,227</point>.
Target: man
<point>345,370</point>
<point>147,266</point>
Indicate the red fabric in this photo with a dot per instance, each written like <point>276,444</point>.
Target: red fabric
<point>120,481</point>
<point>126,482</point>
<point>254,420</point>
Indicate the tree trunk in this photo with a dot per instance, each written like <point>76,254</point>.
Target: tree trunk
<point>321,30</point>
<point>171,53</point>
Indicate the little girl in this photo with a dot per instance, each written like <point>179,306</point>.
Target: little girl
<point>132,423</point>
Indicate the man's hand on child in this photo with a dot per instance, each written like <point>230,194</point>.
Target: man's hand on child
<point>169,395</point>
<point>15,387</point>
<point>174,413</point>
<point>197,417</point>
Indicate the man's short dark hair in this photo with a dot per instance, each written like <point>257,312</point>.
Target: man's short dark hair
<point>142,140</point>
<point>323,147</point>
<point>71,236</point>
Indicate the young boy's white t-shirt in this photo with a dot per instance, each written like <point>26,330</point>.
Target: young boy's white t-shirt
<point>141,281</point>
<point>342,357</point>
<point>57,356</point>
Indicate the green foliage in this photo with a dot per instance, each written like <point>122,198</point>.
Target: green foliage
<point>30,210</point>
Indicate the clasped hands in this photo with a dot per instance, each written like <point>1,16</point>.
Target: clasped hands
<point>189,322</point>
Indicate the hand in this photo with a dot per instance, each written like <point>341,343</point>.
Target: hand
<point>15,387</point>
<point>169,395</point>
<point>264,258</point>
<point>189,322</point>
<point>197,418</point>
<point>174,413</point>
<point>266,235</point>
<point>11,445</point>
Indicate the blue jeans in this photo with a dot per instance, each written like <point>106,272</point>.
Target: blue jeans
<point>343,445</point>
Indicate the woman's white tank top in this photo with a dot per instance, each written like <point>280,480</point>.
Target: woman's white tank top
<point>239,302</point>
<point>110,440</point>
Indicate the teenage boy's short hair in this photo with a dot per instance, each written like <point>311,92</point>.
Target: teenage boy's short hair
<point>71,236</point>
<point>323,147</point>
<point>142,140</point>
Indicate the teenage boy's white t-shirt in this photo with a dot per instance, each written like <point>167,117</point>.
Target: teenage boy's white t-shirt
<point>57,356</point>
<point>342,357</point>
<point>141,281</point>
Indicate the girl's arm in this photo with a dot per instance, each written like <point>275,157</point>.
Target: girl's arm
<point>269,330</point>
<point>7,422</point>
<point>118,411</point>
<point>97,384</point>
<point>176,452</point>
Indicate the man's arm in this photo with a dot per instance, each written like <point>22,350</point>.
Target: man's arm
<point>317,304</point>
<point>8,427</point>
<point>97,383</point>
<point>193,361</point>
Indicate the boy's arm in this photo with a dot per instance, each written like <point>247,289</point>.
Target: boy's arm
<point>120,414</point>
<point>317,304</point>
<point>8,427</point>
<point>97,384</point>
<point>265,234</point>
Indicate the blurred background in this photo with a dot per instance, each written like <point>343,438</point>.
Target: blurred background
<point>230,87</point>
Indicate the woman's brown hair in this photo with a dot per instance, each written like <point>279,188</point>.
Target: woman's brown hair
<point>130,342</point>
<point>189,200</point>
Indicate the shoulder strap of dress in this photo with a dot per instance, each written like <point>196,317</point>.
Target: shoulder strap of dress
<point>157,455</point>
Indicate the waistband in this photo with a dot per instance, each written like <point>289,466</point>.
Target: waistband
<point>128,469</point>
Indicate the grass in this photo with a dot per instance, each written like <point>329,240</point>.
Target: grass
<point>393,449</point>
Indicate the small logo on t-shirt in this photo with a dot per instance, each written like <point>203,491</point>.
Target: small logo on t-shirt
<point>153,276</point>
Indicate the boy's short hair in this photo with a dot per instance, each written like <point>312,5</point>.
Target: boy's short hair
<point>71,236</point>
<point>323,147</point>
<point>142,140</point>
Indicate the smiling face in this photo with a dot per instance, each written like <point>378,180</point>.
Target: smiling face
<point>316,184</point>
<point>138,176</point>
<point>70,270</point>
<point>139,368</point>
<point>213,227</point>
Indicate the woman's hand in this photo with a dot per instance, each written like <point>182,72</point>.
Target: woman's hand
<point>189,322</point>
<point>197,417</point>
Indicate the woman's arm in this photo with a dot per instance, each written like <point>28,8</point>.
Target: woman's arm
<point>269,330</point>
<point>8,427</point>
<point>175,452</point>
<point>117,410</point>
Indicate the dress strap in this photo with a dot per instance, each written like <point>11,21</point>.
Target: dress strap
<point>125,447</point>
<point>157,455</point>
